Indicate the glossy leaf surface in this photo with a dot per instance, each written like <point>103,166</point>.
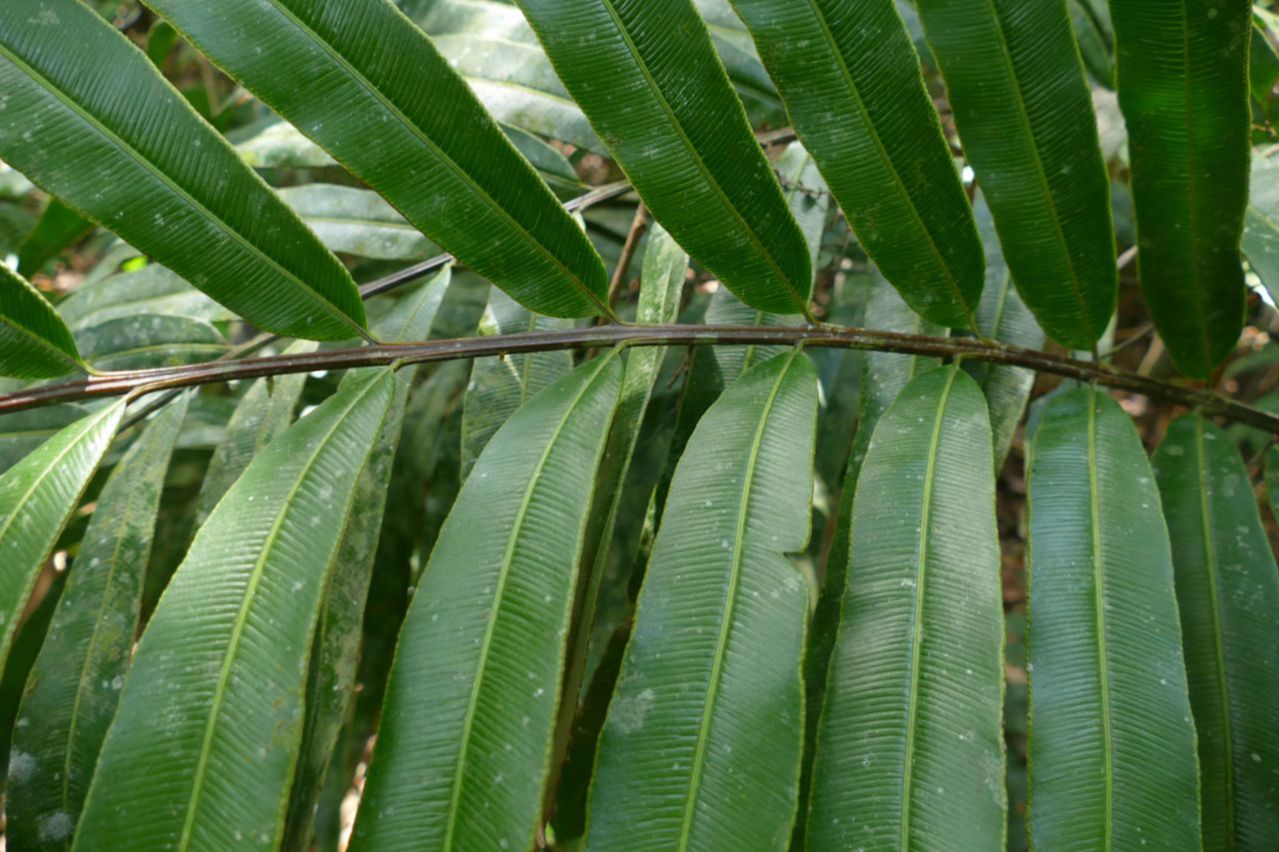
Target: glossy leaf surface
<point>1112,744</point>
<point>207,216</point>
<point>389,107</point>
<point>205,742</point>
<point>702,745</point>
<point>469,717</point>
<point>647,76</point>
<point>851,82</point>
<point>1014,78</point>
<point>1228,597</point>
<point>909,748</point>
<point>1183,88</point>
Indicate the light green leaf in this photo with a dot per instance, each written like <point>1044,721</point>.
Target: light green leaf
<point>149,290</point>
<point>500,385</point>
<point>75,683</point>
<point>1112,744</point>
<point>23,431</point>
<point>1189,120</point>
<point>59,228</point>
<point>672,122</point>
<point>909,748</point>
<point>37,497</point>
<point>1261,228</point>
<point>853,91</point>
<point>261,415</point>
<point>387,105</point>
<point>469,718</point>
<point>1002,316</point>
<point>206,739</point>
<point>358,222</point>
<point>140,342</point>
<point>181,196</point>
<point>702,745</point>
<point>1015,81</point>
<point>34,341</point>
<point>1228,597</point>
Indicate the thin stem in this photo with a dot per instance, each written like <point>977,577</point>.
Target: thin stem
<point>149,381</point>
<point>639,226</point>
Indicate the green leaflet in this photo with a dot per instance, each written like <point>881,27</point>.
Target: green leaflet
<point>37,497</point>
<point>34,341</point>
<point>386,104</point>
<point>205,742</point>
<point>647,76</point>
<point>469,718</point>
<point>1015,81</point>
<point>1228,597</point>
<point>140,342</point>
<point>357,222</point>
<point>1112,745</point>
<point>1261,228</point>
<point>1183,87</point>
<point>702,745</point>
<point>661,289</point>
<point>59,227</point>
<point>149,290</point>
<point>500,385</point>
<point>851,81</point>
<point>1272,480</point>
<point>72,691</point>
<point>204,215</point>
<point>21,432</point>
<point>1002,316</point>
<point>261,415</point>
<point>339,632</point>
<point>909,748</point>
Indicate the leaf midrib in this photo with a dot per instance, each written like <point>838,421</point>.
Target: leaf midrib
<point>147,166</point>
<point>837,54</point>
<point>917,625</point>
<point>695,157</point>
<point>241,619</point>
<point>1211,570</point>
<point>486,642</point>
<point>1099,616</point>
<point>360,79</point>
<point>726,621</point>
<point>1192,192</point>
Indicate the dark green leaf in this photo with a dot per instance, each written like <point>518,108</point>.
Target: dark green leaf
<point>76,680</point>
<point>206,740</point>
<point>34,341</point>
<point>1228,597</point>
<point>909,749</point>
<point>37,497</point>
<point>704,733</point>
<point>180,195</point>
<point>648,78</point>
<point>1183,88</point>
<point>1014,78</point>
<point>1112,744</point>
<point>388,106</point>
<point>470,712</point>
<point>852,86</point>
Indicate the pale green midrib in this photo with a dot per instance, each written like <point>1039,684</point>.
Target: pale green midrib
<point>726,622</point>
<point>1192,193</point>
<point>360,79</point>
<point>716,189</point>
<point>1214,601</point>
<point>237,628</point>
<point>917,614</point>
<point>886,160</point>
<point>532,90</point>
<point>73,723</point>
<point>464,738</point>
<point>147,166</point>
<point>41,342</point>
<point>55,464</point>
<point>1076,288</point>
<point>1099,616</point>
